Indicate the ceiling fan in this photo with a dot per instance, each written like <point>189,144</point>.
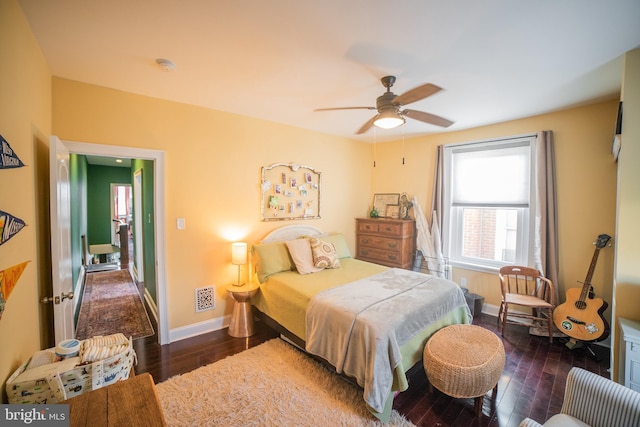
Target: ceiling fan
<point>388,106</point>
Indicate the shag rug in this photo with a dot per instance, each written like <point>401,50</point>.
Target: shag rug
<point>272,384</point>
<point>111,304</point>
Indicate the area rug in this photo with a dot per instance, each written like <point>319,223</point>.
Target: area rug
<point>272,384</point>
<point>110,304</point>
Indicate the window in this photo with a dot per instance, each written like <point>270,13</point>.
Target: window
<point>489,202</point>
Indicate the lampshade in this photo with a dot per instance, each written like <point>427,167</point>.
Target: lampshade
<point>238,253</point>
<point>388,119</point>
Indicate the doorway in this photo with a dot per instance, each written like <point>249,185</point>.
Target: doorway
<point>121,209</point>
<point>157,157</point>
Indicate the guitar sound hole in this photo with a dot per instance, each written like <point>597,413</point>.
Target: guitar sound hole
<point>581,305</point>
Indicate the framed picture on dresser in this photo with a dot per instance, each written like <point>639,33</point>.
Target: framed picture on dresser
<point>382,200</point>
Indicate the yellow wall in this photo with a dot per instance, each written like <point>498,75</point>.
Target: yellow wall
<point>586,187</point>
<point>213,171</point>
<point>627,269</point>
<point>25,122</point>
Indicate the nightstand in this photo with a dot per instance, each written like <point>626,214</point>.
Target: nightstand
<point>241,324</point>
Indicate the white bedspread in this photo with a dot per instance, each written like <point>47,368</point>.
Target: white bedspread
<point>359,327</point>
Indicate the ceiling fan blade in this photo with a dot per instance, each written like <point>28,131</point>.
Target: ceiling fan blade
<point>427,118</point>
<point>416,94</point>
<point>345,108</point>
<point>365,127</point>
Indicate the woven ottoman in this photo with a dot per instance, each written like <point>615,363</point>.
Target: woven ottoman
<point>464,361</point>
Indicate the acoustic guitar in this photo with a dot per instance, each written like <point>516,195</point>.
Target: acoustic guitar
<point>580,316</point>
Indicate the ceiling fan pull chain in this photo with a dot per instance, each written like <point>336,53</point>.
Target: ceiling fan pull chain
<point>375,134</point>
<point>403,145</point>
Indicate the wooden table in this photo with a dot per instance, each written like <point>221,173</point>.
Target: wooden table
<point>133,402</point>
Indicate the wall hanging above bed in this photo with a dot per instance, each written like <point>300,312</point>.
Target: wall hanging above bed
<point>290,191</point>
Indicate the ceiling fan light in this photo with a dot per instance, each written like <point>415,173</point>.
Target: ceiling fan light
<point>388,119</point>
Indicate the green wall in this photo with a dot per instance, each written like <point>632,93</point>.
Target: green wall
<point>99,180</point>
<point>148,217</point>
<point>78,186</point>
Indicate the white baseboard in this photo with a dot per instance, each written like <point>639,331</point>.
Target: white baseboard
<point>78,289</point>
<point>200,328</point>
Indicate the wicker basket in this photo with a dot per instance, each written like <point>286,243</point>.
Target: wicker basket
<point>54,382</point>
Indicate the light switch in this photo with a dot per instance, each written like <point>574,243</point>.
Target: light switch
<point>180,223</point>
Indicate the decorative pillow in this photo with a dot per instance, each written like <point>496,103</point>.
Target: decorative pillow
<point>339,243</point>
<point>300,251</point>
<point>324,254</point>
<point>271,258</point>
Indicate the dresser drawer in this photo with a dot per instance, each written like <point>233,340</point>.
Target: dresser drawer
<point>390,229</point>
<point>367,227</point>
<point>375,242</point>
<point>380,256</point>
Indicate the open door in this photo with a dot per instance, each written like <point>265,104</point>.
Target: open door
<point>138,225</point>
<point>61,241</point>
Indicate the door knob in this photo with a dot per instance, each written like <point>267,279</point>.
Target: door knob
<point>57,300</point>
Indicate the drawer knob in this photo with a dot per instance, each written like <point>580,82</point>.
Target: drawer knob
<point>392,257</point>
<point>365,240</point>
<point>365,252</point>
<point>393,244</point>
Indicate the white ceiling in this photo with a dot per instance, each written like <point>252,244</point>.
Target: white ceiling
<point>280,59</point>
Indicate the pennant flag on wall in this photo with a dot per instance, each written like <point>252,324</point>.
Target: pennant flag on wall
<point>8,158</point>
<point>8,280</point>
<point>9,226</point>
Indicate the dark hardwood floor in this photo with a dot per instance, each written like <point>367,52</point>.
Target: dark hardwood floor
<point>532,383</point>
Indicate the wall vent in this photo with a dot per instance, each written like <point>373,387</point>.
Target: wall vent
<point>205,299</point>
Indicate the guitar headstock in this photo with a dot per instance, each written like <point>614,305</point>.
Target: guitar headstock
<point>602,241</point>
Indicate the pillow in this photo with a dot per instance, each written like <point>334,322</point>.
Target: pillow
<point>339,243</point>
<point>300,251</point>
<point>271,258</point>
<point>324,254</point>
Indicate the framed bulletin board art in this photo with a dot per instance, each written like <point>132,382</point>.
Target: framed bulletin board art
<point>290,191</point>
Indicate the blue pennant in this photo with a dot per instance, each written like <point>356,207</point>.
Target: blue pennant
<point>9,226</point>
<point>8,158</point>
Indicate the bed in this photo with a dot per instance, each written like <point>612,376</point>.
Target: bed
<point>368,321</point>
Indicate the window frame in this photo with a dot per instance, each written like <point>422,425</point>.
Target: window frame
<point>453,215</point>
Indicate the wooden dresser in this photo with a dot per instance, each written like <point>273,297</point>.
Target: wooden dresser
<point>390,242</point>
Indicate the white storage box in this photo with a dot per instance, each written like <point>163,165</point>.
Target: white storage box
<point>45,379</point>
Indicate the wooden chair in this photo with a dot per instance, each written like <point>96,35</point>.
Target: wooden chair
<point>526,287</point>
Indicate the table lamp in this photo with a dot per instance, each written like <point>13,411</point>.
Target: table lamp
<point>238,257</point>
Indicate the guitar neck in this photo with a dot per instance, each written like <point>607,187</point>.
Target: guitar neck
<point>587,280</point>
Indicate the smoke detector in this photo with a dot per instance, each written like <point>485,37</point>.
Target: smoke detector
<point>166,65</point>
